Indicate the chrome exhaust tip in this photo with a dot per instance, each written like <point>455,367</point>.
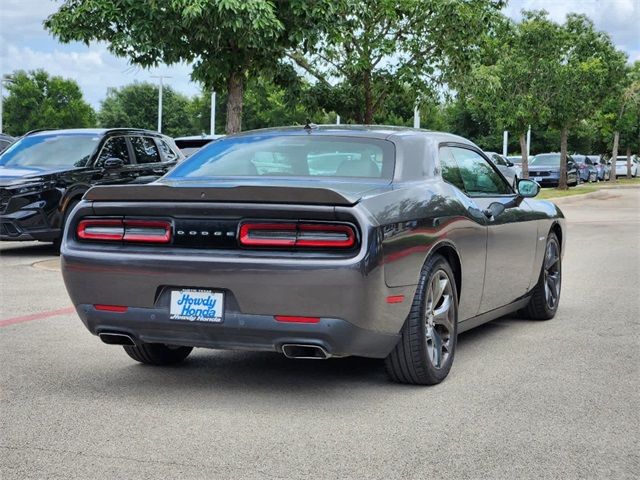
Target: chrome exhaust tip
<point>304,351</point>
<point>111,338</point>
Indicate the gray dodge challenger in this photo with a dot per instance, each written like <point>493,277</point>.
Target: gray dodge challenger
<point>316,242</point>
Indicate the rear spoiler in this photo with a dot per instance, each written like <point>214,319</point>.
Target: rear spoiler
<point>241,193</point>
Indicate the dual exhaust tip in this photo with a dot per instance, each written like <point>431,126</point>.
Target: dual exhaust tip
<point>290,350</point>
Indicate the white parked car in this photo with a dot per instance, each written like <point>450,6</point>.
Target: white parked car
<point>621,166</point>
<point>506,166</point>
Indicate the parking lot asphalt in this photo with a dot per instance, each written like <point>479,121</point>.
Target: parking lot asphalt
<point>556,399</point>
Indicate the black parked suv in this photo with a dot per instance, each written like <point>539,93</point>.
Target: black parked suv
<point>45,173</point>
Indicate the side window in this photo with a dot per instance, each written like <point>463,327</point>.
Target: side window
<point>167,152</point>
<point>497,159</point>
<point>449,168</point>
<point>478,176</point>
<point>115,147</point>
<point>145,150</point>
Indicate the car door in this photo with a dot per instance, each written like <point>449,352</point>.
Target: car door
<point>511,236</point>
<point>114,164</point>
<point>149,164</point>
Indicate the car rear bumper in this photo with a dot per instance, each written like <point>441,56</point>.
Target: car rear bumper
<point>239,332</point>
<point>349,295</point>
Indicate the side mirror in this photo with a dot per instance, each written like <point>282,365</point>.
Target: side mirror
<point>528,188</point>
<point>510,164</point>
<point>494,209</point>
<point>113,163</point>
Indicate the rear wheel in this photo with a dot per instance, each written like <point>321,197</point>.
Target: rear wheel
<point>157,353</point>
<point>425,352</point>
<point>543,304</point>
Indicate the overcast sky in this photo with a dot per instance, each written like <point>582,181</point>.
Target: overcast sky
<point>24,44</point>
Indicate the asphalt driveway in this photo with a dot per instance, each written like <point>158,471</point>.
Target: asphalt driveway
<point>557,399</point>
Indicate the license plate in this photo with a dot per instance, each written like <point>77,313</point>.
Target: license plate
<point>196,306</point>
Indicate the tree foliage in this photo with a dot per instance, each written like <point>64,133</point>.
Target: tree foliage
<point>136,105</point>
<point>37,100</point>
<point>581,78</point>
<point>372,47</point>
<point>227,41</point>
<point>510,83</point>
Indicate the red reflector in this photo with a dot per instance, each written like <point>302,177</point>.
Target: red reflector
<point>111,308</point>
<point>306,235</point>
<point>395,299</point>
<point>294,319</point>
<point>108,229</point>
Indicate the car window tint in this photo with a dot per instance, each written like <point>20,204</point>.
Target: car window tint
<point>449,169</point>
<point>167,151</point>
<point>115,147</point>
<point>145,150</point>
<point>478,176</point>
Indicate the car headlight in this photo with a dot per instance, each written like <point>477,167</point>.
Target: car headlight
<point>26,188</point>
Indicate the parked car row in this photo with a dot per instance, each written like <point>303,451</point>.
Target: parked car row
<point>545,167</point>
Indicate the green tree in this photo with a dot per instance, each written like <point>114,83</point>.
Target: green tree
<point>510,85</point>
<point>586,68</point>
<point>622,115</point>
<point>373,46</point>
<point>136,105</point>
<point>37,100</point>
<point>228,41</point>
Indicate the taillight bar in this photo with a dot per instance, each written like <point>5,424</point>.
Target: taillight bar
<point>305,235</point>
<point>101,229</point>
<point>124,230</point>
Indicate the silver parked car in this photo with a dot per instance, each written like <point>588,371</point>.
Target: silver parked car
<point>506,166</point>
<point>621,166</point>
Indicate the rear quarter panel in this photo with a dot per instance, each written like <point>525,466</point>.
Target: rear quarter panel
<point>417,219</point>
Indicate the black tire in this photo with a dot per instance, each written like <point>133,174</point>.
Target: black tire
<point>411,360</point>
<point>65,217</point>
<point>540,306</point>
<point>157,353</point>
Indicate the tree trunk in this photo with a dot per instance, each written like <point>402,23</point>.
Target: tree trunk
<point>628,161</point>
<point>614,155</point>
<point>368,99</point>
<point>564,135</point>
<point>235,90</point>
<point>525,158</point>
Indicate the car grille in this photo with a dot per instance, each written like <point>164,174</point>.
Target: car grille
<point>5,196</point>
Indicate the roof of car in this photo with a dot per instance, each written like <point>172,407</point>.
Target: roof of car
<point>370,131</point>
<point>94,131</point>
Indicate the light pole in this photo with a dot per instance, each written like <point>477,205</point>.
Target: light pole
<point>161,77</point>
<point>5,78</point>
<point>212,124</point>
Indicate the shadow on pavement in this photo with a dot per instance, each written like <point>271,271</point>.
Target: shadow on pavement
<point>28,250</point>
<point>229,374</point>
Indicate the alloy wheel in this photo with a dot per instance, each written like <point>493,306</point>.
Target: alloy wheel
<point>439,319</point>
<point>552,274</point>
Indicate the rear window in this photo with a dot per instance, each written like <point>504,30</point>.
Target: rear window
<point>291,156</point>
